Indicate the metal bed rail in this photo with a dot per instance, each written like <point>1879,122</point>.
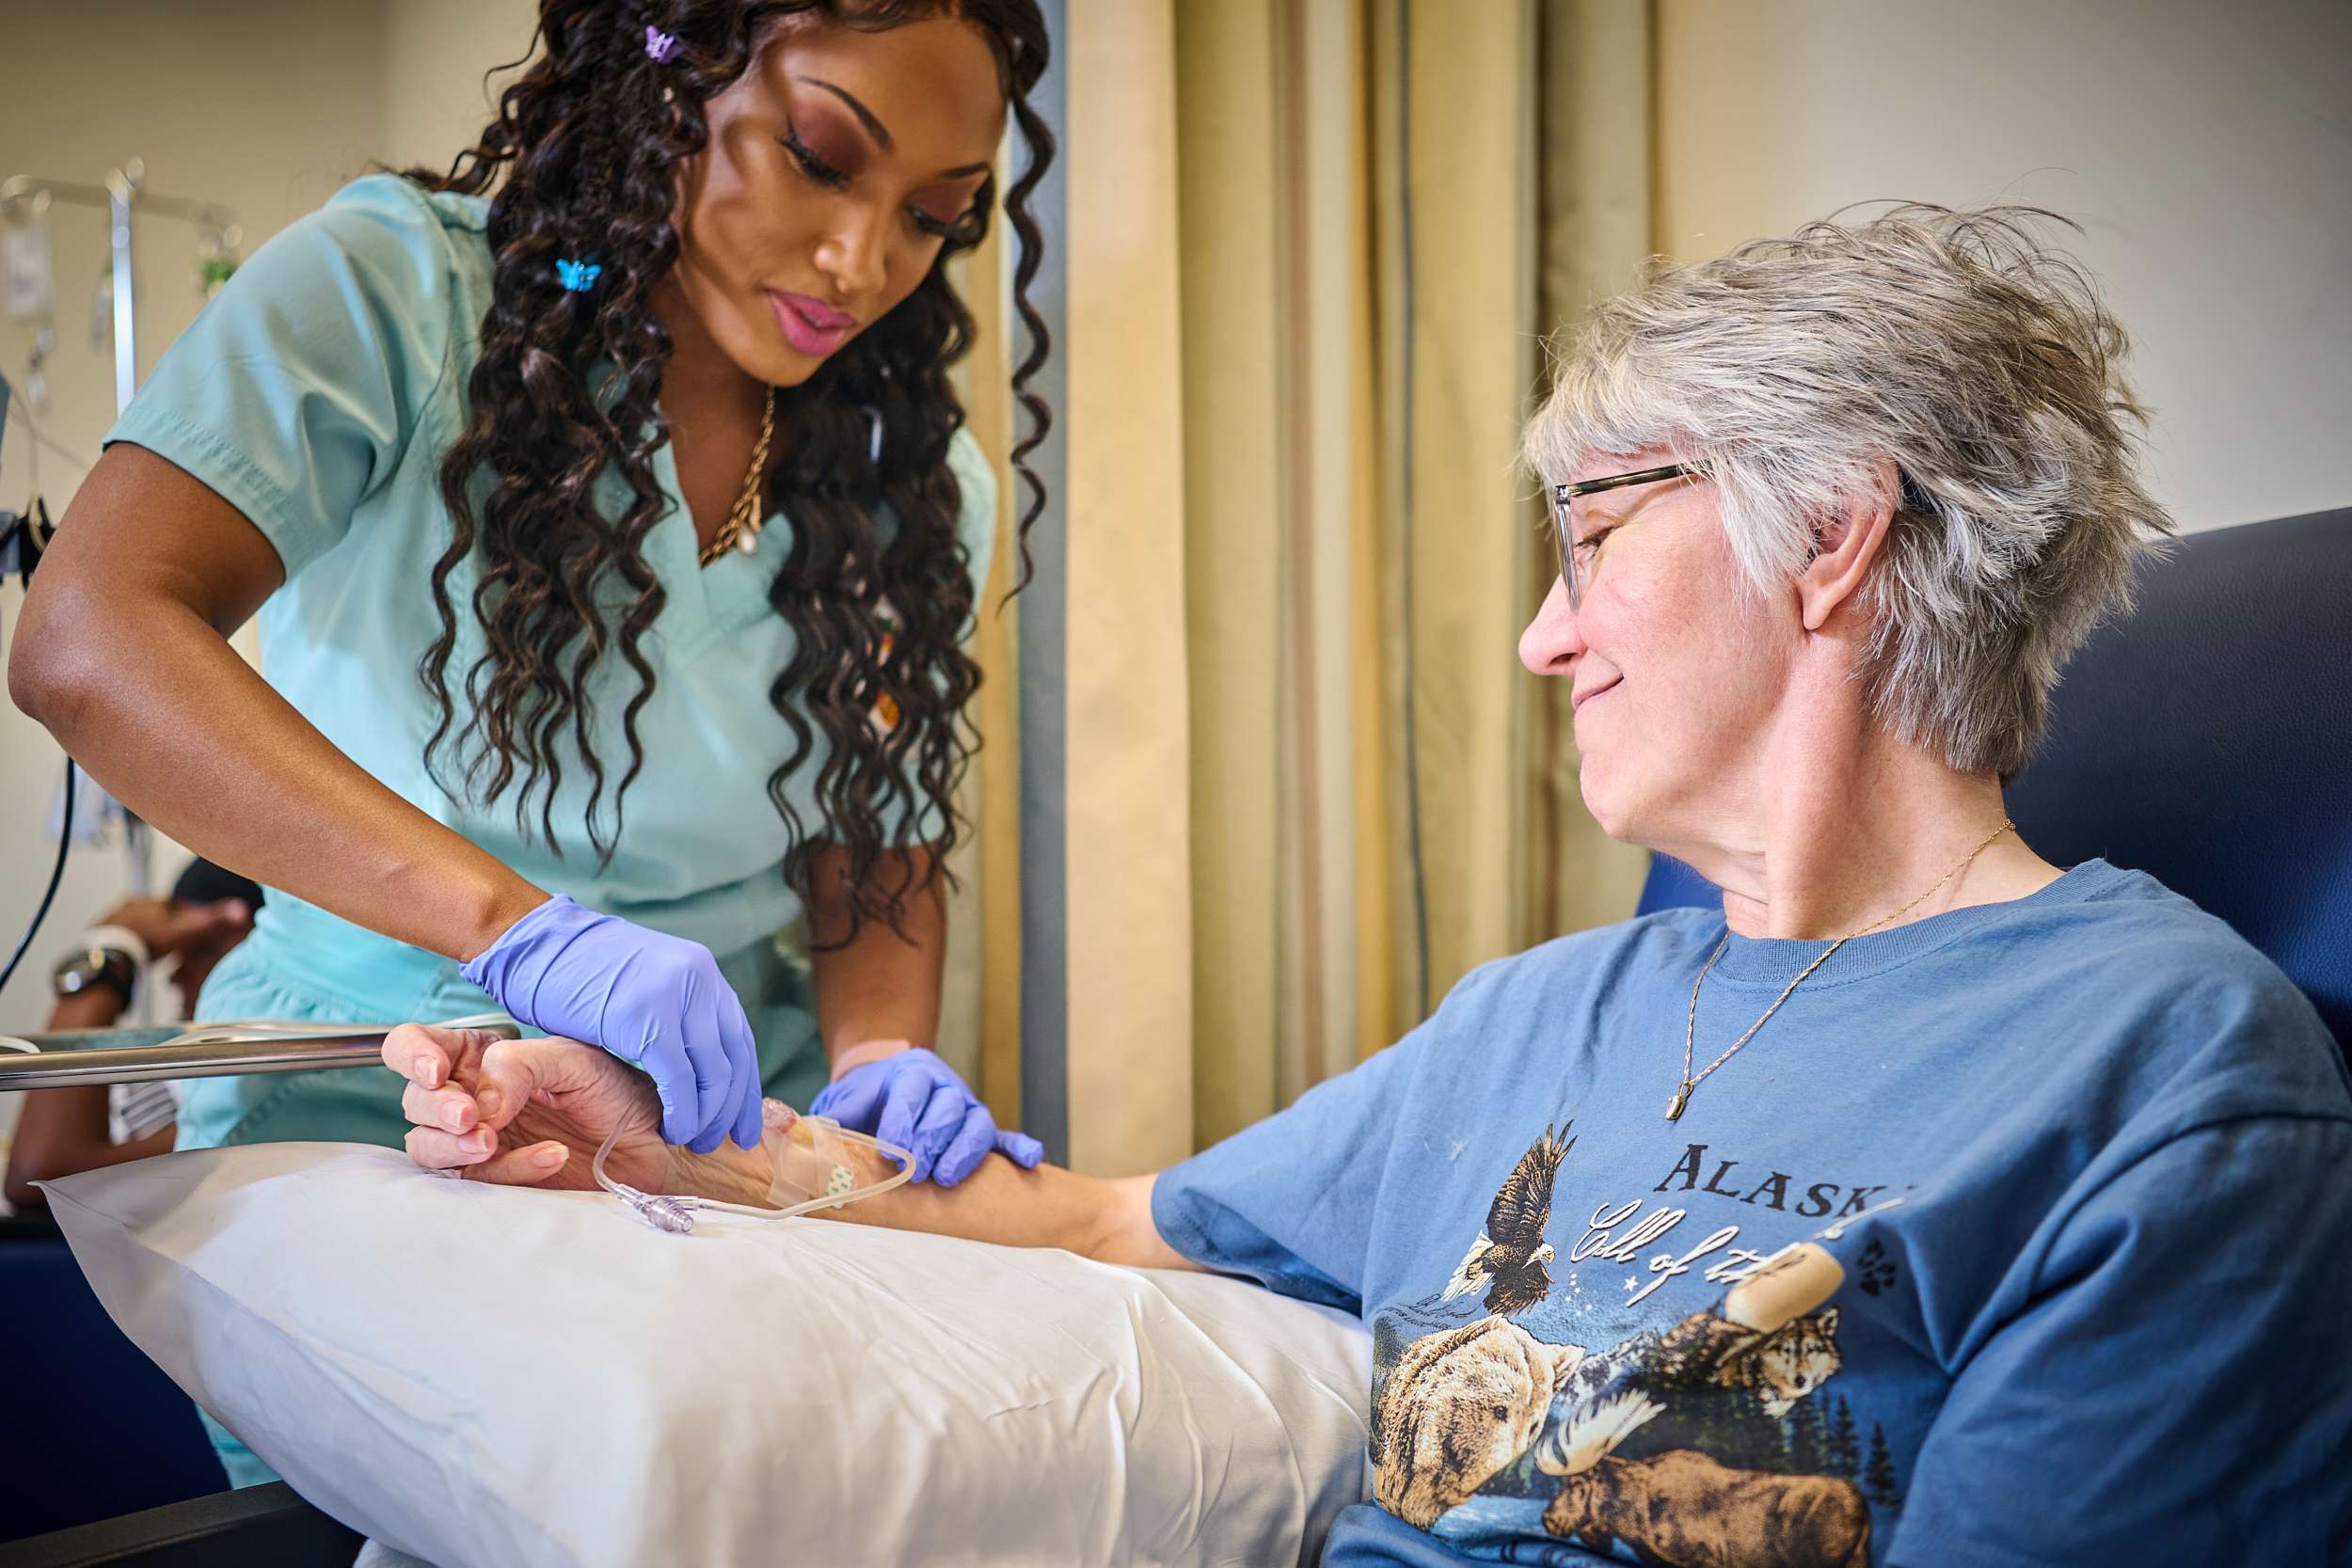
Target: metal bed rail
<point>64,1059</point>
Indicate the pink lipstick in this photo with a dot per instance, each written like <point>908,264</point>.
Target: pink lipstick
<point>811,325</point>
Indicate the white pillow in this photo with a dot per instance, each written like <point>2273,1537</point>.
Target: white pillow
<point>480,1375</point>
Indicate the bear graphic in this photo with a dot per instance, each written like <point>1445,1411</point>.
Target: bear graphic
<point>1682,1510</point>
<point>1456,1409</point>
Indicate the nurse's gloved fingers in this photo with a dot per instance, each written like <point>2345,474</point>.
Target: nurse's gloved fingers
<point>1020,1149</point>
<point>904,1101</point>
<point>738,1119</point>
<point>451,1110</point>
<point>935,1128</point>
<point>970,1146</point>
<point>438,1150</point>
<point>714,1080</point>
<point>854,1101</point>
<point>949,1111</point>
<point>735,1028</point>
<point>718,1120</point>
<point>742,1123</point>
<point>665,1062</point>
<point>520,1168</point>
<point>747,1119</point>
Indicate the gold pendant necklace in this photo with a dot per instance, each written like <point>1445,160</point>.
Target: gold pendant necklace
<point>1682,1091</point>
<point>741,528</point>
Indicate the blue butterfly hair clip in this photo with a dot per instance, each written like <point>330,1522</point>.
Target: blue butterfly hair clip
<point>659,45</point>
<point>576,276</point>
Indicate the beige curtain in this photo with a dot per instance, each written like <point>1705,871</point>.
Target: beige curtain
<point>1313,249</point>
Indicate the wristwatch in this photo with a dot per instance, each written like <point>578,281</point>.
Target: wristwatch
<point>109,955</point>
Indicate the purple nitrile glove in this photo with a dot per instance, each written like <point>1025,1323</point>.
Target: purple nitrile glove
<point>657,1002</point>
<point>916,1101</point>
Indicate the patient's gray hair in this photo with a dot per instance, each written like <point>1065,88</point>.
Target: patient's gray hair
<point>1955,346</point>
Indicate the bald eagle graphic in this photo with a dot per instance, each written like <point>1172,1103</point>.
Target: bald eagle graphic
<point>1509,1255</point>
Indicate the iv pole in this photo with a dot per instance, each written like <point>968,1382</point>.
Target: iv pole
<point>125,192</point>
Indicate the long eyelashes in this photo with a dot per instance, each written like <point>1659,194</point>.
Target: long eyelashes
<point>815,168</point>
<point>824,174</point>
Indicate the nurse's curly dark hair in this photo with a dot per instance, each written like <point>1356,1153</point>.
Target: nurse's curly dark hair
<point>583,160</point>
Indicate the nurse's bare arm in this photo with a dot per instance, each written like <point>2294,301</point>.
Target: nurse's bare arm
<point>534,1112</point>
<point>122,653</point>
<point>884,984</point>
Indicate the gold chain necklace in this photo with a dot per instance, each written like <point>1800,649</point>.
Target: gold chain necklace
<point>1690,1031</point>
<point>741,528</point>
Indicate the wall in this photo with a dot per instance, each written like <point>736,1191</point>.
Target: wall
<point>435,54</point>
<point>2206,148</point>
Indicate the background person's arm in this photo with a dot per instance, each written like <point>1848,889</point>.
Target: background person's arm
<point>62,1131</point>
<point>59,1132</point>
<point>122,653</point>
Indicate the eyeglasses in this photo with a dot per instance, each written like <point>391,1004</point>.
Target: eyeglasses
<point>1578,556</point>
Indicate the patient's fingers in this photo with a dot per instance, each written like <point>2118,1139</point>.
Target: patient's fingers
<point>513,1070</point>
<point>521,1167</point>
<point>426,1055</point>
<point>438,1150</point>
<point>413,1052</point>
<point>476,1155</point>
<point>451,1110</point>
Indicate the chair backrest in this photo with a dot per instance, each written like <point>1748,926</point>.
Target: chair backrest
<point>2207,740</point>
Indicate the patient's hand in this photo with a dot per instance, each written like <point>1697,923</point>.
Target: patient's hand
<point>529,1112</point>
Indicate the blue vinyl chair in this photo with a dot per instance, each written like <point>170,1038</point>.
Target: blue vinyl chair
<point>96,1429</point>
<point>2207,740</point>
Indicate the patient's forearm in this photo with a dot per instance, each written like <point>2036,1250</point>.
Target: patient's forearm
<point>1110,1221</point>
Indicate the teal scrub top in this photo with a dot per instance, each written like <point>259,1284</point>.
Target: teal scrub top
<point>318,394</point>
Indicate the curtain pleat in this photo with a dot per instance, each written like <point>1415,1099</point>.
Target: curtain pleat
<point>1233,554</point>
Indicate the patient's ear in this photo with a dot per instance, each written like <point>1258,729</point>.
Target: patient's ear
<point>1846,546</point>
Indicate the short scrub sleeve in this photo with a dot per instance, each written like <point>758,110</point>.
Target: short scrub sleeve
<point>296,390</point>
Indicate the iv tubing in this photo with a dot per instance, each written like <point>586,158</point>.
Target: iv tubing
<point>674,1213</point>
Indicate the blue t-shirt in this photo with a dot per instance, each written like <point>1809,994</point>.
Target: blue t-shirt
<point>2020,1235</point>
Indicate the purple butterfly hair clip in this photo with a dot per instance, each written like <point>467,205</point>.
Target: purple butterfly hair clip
<point>659,45</point>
